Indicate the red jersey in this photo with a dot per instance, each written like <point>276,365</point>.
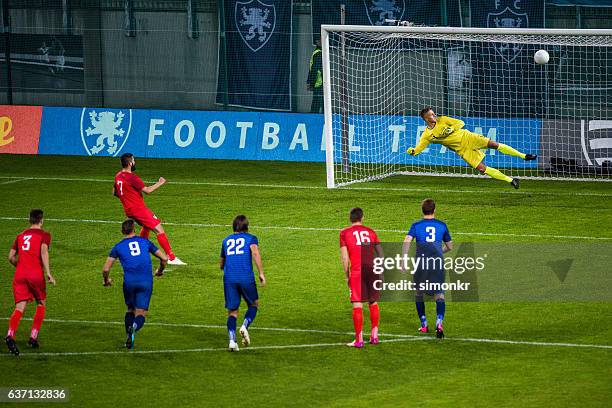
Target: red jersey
<point>128,187</point>
<point>352,238</point>
<point>28,245</point>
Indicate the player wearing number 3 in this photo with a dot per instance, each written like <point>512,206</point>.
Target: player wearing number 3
<point>30,255</point>
<point>361,290</point>
<point>134,254</point>
<point>129,188</point>
<point>449,132</point>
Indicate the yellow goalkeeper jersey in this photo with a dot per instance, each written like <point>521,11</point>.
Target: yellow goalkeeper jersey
<point>447,132</point>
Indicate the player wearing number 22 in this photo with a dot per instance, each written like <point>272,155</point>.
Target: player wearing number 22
<point>238,251</point>
<point>134,254</point>
<point>449,132</point>
<point>352,239</point>
<point>30,255</point>
<point>129,188</point>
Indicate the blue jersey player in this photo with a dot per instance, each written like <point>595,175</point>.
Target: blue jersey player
<point>433,239</point>
<point>134,254</point>
<point>238,252</point>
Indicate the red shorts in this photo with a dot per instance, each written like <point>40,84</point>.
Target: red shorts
<point>362,288</point>
<point>144,217</point>
<point>28,288</point>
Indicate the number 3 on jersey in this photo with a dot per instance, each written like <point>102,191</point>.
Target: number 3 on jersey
<point>361,237</point>
<point>431,234</point>
<point>26,242</point>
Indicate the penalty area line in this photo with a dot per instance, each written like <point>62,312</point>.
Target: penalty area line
<point>348,188</point>
<point>318,229</point>
<point>395,338</point>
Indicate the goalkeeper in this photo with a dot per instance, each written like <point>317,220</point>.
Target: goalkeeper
<point>449,132</point>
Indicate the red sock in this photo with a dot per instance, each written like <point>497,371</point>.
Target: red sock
<point>374,315</point>
<point>163,242</point>
<point>358,323</point>
<point>144,232</point>
<point>14,323</point>
<point>39,316</point>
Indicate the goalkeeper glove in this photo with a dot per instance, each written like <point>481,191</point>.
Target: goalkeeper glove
<point>410,151</point>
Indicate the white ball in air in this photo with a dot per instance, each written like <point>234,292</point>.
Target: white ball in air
<point>541,57</point>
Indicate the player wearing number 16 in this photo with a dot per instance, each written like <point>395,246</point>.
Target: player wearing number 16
<point>129,188</point>
<point>352,239</point>
<point>238,251</point>
<point>134,254</point>
<point>30,255</point>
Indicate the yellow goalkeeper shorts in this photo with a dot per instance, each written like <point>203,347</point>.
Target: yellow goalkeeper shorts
<point>470,149</point>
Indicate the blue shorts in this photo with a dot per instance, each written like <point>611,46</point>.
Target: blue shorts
<point>234,291</point>
<point>424,277</point>
<point>137,294</point>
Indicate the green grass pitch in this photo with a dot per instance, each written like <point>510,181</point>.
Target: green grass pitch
<point>179,358</point>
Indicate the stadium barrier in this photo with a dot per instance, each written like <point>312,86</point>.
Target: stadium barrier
<point>20,129</point>
<point>234,135</point>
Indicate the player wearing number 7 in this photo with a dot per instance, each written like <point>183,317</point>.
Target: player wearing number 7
<point>238,251</point>
<point>134,254</point>
<point>449,132</point>
<point>129,188</point>
<point>30,255</point>
<point>351,241</point>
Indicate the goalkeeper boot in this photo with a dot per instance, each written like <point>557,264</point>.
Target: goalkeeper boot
<point>33,343</point>
<point>530,157</point>
<point>12,346</point>
<point>515,183</point>
<point>246,339</point>
<point>439,332</point>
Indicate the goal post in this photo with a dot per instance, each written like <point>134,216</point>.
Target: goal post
<point>376,80</point>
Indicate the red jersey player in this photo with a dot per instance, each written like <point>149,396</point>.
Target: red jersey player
<point>129,188</point>
<point>30,255</point>
<point>351,240</point>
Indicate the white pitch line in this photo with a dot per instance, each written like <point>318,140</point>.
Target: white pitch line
<point>301,187</point>
<point>318,229</point>
<point>16,180</point>
<point>398,337</point>
<point>195,350</point>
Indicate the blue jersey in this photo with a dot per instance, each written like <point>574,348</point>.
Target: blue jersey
<point>134,255</point>
<point>429,235</point>
<point>236,249</point>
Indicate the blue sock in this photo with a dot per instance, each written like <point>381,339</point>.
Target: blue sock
<point>138,322</point>
<point>249,316</point>
<point>129,320</point>
<point>440,309</point>
<point>231,327</point>
<point>420,307</point>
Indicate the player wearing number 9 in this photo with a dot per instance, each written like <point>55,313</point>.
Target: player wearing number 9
<point>134,254</point>
<point>238,251</point>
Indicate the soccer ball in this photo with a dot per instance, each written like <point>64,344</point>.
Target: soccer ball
<point>541,57</point>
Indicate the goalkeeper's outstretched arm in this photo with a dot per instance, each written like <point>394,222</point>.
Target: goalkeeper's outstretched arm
<point>423,143</point>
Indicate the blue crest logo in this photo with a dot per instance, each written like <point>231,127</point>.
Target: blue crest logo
<point>507,18</point>
<point>105,131</point>
<point>255,21</point>
<point>379,10</point>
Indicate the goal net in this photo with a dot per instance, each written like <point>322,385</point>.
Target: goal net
<point>377,79</point>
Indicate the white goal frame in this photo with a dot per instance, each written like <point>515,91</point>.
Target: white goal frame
<point>328,129</point>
